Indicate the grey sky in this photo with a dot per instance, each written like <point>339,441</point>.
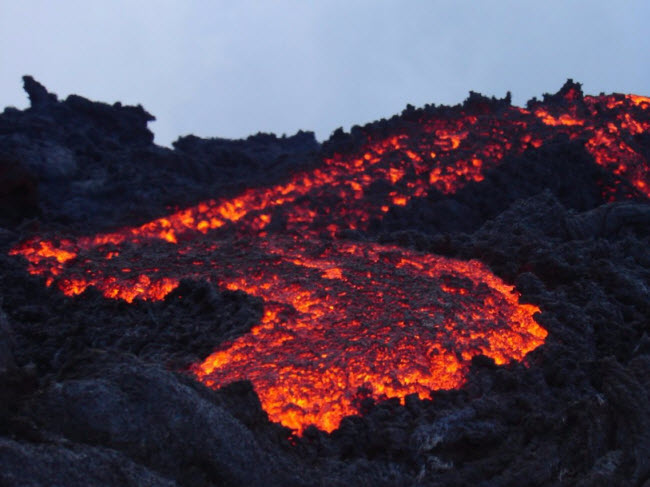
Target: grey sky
<point>232,68</point>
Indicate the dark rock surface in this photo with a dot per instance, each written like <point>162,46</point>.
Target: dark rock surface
<point>7,344</point>
<point>25,464</point>
<point>94,390</point>
<point>154,418</point>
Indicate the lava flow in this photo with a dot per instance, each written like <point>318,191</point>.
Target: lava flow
<point>346,320</point>
<point>356,320</point>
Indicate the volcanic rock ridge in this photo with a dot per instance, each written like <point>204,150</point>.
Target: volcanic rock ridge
<point>452,296</point>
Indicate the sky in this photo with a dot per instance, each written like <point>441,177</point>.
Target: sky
<point>234,68</point>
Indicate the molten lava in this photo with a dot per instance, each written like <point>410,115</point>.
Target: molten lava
<point>346,320</point>
<point>360,320</point>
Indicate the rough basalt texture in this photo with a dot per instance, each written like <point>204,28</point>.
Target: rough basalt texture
<point>94,391</point>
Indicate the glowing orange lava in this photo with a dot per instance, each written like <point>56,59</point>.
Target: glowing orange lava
<point>344,320</point>
<point>367,320</point>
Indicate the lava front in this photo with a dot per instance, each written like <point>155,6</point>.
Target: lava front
<point>364,320</point>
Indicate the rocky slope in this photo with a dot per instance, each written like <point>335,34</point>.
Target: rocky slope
<point>96,391</point>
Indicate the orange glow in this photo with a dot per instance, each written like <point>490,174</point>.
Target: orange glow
<point>41,250</point>
<point>345,320</point>
<point>395,174</point>
<point>640,101</point>
<point>400,200</point>
<point>563,119</point>
<point>373,309</point>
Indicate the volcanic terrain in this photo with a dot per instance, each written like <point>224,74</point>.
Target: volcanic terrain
<point>453,296</point>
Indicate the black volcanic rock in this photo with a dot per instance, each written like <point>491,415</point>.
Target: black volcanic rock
<point>629,399</point>
<point>18,192</point>
<point>72,466</point>
<point>608,220</point>
<point>39,97</point>
<point>7,343</point>
<point>149,415</point>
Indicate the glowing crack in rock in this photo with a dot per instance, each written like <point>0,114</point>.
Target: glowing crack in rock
<point>346,320</point>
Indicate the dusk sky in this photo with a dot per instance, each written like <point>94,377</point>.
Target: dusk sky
<point>231,69</point>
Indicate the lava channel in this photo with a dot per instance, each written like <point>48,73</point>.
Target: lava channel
<point>342,320</point>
